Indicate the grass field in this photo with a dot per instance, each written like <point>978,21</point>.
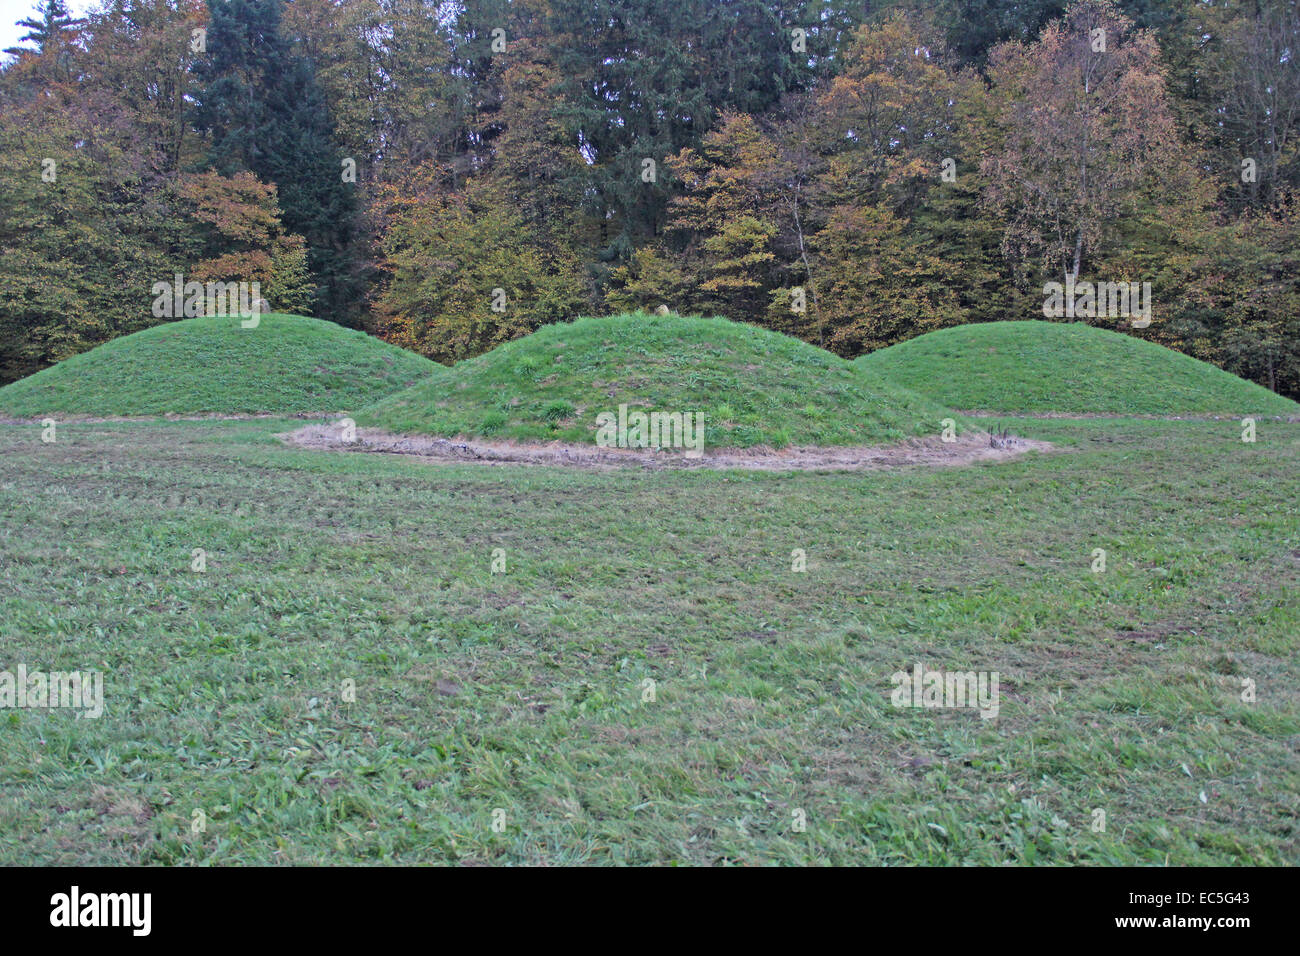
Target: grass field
<point>751,386</point>
<point>1066,367</point>
<point>286,364</point>
<point>525,692</point>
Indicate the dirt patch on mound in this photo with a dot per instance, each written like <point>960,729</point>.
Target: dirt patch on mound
<point>917,451</point>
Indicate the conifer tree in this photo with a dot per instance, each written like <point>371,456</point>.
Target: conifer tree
<point>265,113</point>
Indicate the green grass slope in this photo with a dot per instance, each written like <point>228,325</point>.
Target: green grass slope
<point>289,363</point>
<point>751,386</point>
<point>1039,366</point>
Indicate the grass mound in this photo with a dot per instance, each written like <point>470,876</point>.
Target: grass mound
<point>1057,367</point>
<point>751,387</point>
<point>288,363</point>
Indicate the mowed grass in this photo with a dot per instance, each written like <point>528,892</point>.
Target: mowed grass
<point>286,364</point>
<point>751,387</point>
<point>1066,367</point>
<point>526,691</point>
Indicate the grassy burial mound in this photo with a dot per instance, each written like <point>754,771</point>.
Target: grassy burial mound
<point>744,385</point>
<point>1070,368</point>
<point>288,363</point>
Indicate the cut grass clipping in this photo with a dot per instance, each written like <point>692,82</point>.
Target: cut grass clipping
<point>286,364</point>
<point>1069,368</point>
<point>752,387</point>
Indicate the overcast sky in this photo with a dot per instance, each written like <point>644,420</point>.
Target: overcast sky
<point>11,11</point>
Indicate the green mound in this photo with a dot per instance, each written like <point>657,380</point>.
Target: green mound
<point>1058,367</point>
<point>288,363</point>
<point>749,387</point>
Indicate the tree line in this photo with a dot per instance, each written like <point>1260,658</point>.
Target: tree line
<point>451,175</point>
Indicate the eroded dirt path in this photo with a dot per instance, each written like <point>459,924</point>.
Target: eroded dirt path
<point>917,451</point>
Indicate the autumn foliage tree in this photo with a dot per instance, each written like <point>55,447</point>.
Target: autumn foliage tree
<point>465,274</point>
<point>852,174</point>
<point>1086,126</point>
<point>244,240</point>
<point>724,217</point>
<point>81,236</point>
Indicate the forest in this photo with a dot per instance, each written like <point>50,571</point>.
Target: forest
<point>452,176</point>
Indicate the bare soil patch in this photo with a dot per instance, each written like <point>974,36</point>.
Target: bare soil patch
<point>931,452</point>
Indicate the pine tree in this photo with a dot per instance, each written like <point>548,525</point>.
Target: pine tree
<point>265,113</point>
<point>53,20</point>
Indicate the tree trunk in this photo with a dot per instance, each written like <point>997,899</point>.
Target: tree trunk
<point>807,268</point>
